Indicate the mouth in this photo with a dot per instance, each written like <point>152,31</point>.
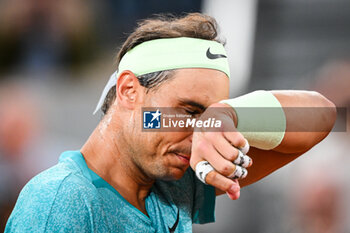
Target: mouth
<point>184,158</point>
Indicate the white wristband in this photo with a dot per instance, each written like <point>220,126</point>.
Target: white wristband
<point>260,118</point>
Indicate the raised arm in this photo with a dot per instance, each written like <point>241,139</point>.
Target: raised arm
<point>308,118</point>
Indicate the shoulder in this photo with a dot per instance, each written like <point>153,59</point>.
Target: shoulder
<point>52,198</point>
<point>60,178</point>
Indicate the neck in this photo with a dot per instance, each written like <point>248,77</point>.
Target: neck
<point>104,155</point>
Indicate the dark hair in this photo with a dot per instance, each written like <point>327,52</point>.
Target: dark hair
<point>193,25</point>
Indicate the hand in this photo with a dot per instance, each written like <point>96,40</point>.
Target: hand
<point>220,148</point>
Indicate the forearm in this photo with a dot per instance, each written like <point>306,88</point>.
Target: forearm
<point>309,119</point>
<point>279,125</point>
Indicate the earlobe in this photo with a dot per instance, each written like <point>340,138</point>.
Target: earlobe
<point>127,89</point>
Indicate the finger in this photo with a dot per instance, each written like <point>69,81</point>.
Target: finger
<point>245,148</point>
<point>202,169</point>
<point>231,187</point>
<point>206,173</point>
<point>220,164</point>
<point>224,148</point>
<point>239,173</point>
<point>243,160</point>
<point>234,191</point>
<point>235,138</point>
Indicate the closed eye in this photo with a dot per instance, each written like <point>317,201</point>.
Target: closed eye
<point>193,112</point>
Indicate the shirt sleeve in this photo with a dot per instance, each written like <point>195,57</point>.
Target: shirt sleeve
<point>54,207</point>
<point>70,212</point>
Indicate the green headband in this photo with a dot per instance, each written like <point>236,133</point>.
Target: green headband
<point>167,54</point>
<point>175,53</point>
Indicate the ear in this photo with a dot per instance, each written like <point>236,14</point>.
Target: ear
<point>128,89</point>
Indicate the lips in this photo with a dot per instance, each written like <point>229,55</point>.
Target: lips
<point>183,157</point>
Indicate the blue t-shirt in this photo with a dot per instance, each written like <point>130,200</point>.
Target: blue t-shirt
<point>70,197</point>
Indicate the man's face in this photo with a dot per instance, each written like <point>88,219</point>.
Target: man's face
<point>165,155</point>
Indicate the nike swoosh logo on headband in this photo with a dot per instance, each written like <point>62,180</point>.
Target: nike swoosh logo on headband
<point>214,56</point>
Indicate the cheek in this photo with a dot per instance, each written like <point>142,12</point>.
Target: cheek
<point>177,137</point>
<point>147,145</point>
<point>156,145</point>
<point>177,141</point>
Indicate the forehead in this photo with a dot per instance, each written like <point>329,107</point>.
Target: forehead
<point>205,86</point>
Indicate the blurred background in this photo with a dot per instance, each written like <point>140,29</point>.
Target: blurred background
<point>56,57</point>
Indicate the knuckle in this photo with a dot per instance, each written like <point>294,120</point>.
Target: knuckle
<point>216,179</point>
<point>238,137</point>
<point>239,158</point>
<point>231,157</point>
<point>236,173</point>
<point>226,186</point>
<point>230,153</point>
<point>241,140</point>
<point>226,169</point>
<point>234,154</point>
<point>211,177</point>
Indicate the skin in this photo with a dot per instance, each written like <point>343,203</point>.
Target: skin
<point>316,123</point>
<point>131,160</point>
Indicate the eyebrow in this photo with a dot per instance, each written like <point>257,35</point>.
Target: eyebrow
<point>192,103</point>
